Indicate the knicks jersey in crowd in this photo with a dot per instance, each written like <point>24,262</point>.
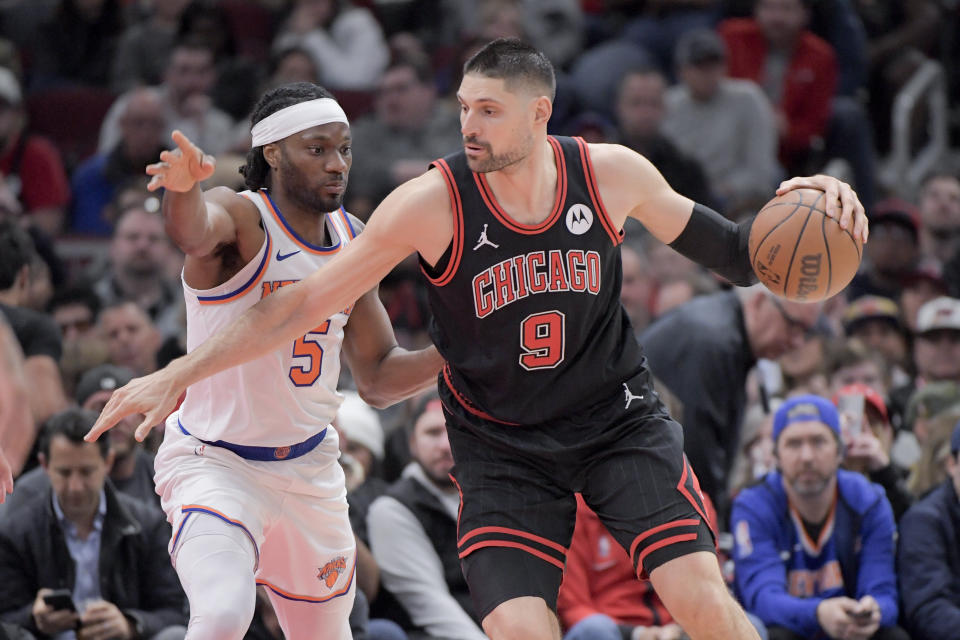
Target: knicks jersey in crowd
<point>528,317</point>
<point>289,394</point>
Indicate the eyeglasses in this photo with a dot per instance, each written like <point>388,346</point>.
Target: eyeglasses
<point>794,324</point>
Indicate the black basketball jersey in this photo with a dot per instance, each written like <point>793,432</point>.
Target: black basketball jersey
<point>528,317</point>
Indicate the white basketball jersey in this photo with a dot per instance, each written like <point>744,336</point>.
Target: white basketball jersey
<point>288,395</point>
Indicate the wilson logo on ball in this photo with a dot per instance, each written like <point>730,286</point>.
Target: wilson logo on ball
<point>809,275</point>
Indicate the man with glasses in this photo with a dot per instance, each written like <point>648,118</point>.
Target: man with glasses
<point>702,352</point>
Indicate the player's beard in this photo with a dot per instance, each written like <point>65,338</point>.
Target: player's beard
<point>497,161</point>
<point>298,188</point>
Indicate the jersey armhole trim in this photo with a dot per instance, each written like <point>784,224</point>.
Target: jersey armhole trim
<point>594,190</point>
<point>457,205</point>
<point>249,284</point>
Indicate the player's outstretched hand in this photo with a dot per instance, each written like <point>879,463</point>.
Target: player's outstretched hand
<point>6,478</point>
<point>181,168</point>
<point>849,213</point>
<point>154,395</point>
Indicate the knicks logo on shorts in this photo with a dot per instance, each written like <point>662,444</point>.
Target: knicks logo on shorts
<point>332,570</point>
<point>281,452</point>
<point>198,451</point>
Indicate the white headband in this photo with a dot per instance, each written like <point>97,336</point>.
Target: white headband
<point>296,118</point>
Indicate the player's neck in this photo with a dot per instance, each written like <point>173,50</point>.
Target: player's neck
<point>526,190</point>
<point>309,224</point>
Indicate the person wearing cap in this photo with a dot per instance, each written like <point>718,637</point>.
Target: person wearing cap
<point>868,444</point>
<point>132,471</point>
<point>939,205</point>
<point>413,536</point>
<point>256,437</point>
<point>362,442</point>
<point>876,321</point>
<point>893,253</point>
<point>937,345</point>
<point>928,563</point>
<point>814,543</point>
<point>726,124</point>
<point>34,181</point>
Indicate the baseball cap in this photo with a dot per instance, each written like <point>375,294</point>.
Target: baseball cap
<point>927,272</point>
<point>866,308</point>
<point>699,46</point>
<point>896,211</point>
<point>869,394</point>
<point>939,313</point>
<point>105,377</point>
<point>360,423</point>
<point>10,87</point>
<point>930,400</point>
<point>803,409</point>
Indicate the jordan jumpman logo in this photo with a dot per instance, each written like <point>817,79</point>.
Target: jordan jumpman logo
<point>484,240</point>
<point>630,396</point>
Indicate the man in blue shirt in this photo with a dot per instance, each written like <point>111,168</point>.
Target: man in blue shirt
<point>814,544</point>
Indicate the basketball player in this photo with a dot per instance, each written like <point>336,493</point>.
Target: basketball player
<point>537,347</point>
<point>248,472</point>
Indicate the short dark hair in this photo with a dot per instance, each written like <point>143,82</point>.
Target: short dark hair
<point>256,171</point>
<point>16,252</point>
<point>77,294</point>
<point>73,424</point>
<point>515,62</point>
<point>419,64</point>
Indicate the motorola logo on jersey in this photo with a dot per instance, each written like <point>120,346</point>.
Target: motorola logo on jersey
<point>537,272</point>
<point>579,219</point>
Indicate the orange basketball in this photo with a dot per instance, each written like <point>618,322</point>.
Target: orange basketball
<point>798,251</point>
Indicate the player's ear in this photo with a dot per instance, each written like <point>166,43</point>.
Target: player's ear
<point>271,153</point>
<point>543,109</point>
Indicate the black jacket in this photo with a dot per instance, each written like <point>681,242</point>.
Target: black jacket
<point>929,565</point>
<point>135,570</point>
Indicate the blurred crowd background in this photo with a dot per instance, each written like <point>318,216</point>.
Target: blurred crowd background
<point>725,97</point>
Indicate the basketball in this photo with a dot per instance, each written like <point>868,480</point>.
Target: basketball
<point>798,251</point>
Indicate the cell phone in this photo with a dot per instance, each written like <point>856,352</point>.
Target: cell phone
<point>60,600</point>
<point>851,409</point>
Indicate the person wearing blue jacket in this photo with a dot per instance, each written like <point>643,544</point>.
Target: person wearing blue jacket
<point>814,544</point>
<point>929,557</point>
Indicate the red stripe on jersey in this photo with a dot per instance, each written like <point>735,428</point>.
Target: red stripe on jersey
<point>595,192</point>
<point>456,250</point>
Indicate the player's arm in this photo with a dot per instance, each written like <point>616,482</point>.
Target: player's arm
<point>197,222</point>
<point>384,372</point>
<point>415,217</point>
<point>631,186</point>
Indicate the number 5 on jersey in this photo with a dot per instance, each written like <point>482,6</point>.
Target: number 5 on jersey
<point>308,346</point>
<point>542,340</point>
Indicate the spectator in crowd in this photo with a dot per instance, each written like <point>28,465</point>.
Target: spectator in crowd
<point>132,339</point>
<point>75,310</point>
<point>97,179</point>
<point>601,597</point>
<point>107,549</point>
<point>939,205</point>
<point>814,544</point>
<point>361,439</point>
<point>35,182</point>
<point>78,44</point>
<point>188,79</point>
<point>640,112</point>
<point>346,43</point>
<point>637,288</point>
<point>798,72</point>
<point>292,64</point>
<point>15,417</point>
<point>726,124</point>
<point>36,333</point>
<point>139,251</point>
<point>878,323</point>
<point>132,470</point>
<point>937,343</point>
<point>867,444</point>
<point>703,351</point>
<point>755,457</point>
<point>413,535</point>
<point>932,466</point>
<point>409,129</point>
<point>928,563</point>
<point>893,253</point>
<point>851,361</point>
<point>145,46</point>
<point>920,287</point>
